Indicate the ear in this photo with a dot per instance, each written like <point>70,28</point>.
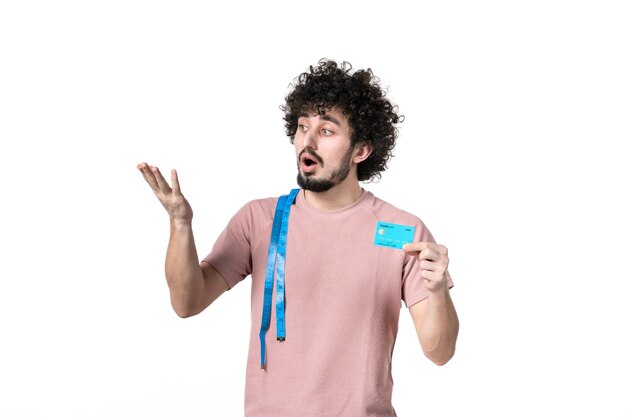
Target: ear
<point>362,151</point>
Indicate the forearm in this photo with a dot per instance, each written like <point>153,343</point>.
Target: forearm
<point>440,328</point>
<point>182,269</point>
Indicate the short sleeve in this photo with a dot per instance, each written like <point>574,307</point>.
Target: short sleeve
<point>413,289</point>
<point>231,255</point>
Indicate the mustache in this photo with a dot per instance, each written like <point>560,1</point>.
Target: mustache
<point>312,153</point>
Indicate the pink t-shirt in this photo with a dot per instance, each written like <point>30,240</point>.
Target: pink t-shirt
<point>342,304</point>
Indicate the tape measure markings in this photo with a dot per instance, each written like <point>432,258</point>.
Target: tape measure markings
<point>276,261</point>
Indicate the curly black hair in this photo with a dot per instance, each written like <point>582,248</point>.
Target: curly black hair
<point>359,97</point>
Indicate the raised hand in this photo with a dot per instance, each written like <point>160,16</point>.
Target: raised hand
<point>172,199</point>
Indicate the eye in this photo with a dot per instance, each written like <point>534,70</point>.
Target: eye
<point>327,132</point>
<point>304,128</point>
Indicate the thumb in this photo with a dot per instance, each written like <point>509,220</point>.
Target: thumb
<point>175,184</point>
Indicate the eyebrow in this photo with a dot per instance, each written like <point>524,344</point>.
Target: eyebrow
<point>324,117</point>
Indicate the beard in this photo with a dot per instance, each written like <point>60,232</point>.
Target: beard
<point>319,185</point>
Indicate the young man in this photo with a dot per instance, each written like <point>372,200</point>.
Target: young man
<point>341,294</point>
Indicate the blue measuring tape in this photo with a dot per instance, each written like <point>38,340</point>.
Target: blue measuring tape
<point>276,261</point>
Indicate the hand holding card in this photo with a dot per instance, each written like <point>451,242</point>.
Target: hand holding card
<point>433,263</point>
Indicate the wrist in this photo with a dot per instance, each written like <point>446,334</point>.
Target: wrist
<point>180,224</point>
<point>439,294</point>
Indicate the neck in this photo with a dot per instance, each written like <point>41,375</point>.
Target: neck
<point>338,197</point>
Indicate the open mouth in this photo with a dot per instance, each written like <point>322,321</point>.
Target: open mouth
<point>308,160</point>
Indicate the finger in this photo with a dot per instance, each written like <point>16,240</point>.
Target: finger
<point>418,246</point>
<point>163,185</point>
<point>428,266</point>
<point>148,176</point>
<point>175,184</point>
<point>435,277</point>
<point>429,275</point>
<point>430,254</point>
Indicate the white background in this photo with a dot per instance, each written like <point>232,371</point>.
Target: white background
<point>509,153</point>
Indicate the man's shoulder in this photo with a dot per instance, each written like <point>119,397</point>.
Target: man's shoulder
<point>258,209</point>
<point>388,212</point>
<point>254,214</point>
<point>262,202</point>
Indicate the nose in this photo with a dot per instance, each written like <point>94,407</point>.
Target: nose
<point>310,139</point>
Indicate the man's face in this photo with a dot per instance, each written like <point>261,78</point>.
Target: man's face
<point>323,150</point>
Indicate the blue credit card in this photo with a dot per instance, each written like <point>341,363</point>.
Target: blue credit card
<point>393,235</point>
